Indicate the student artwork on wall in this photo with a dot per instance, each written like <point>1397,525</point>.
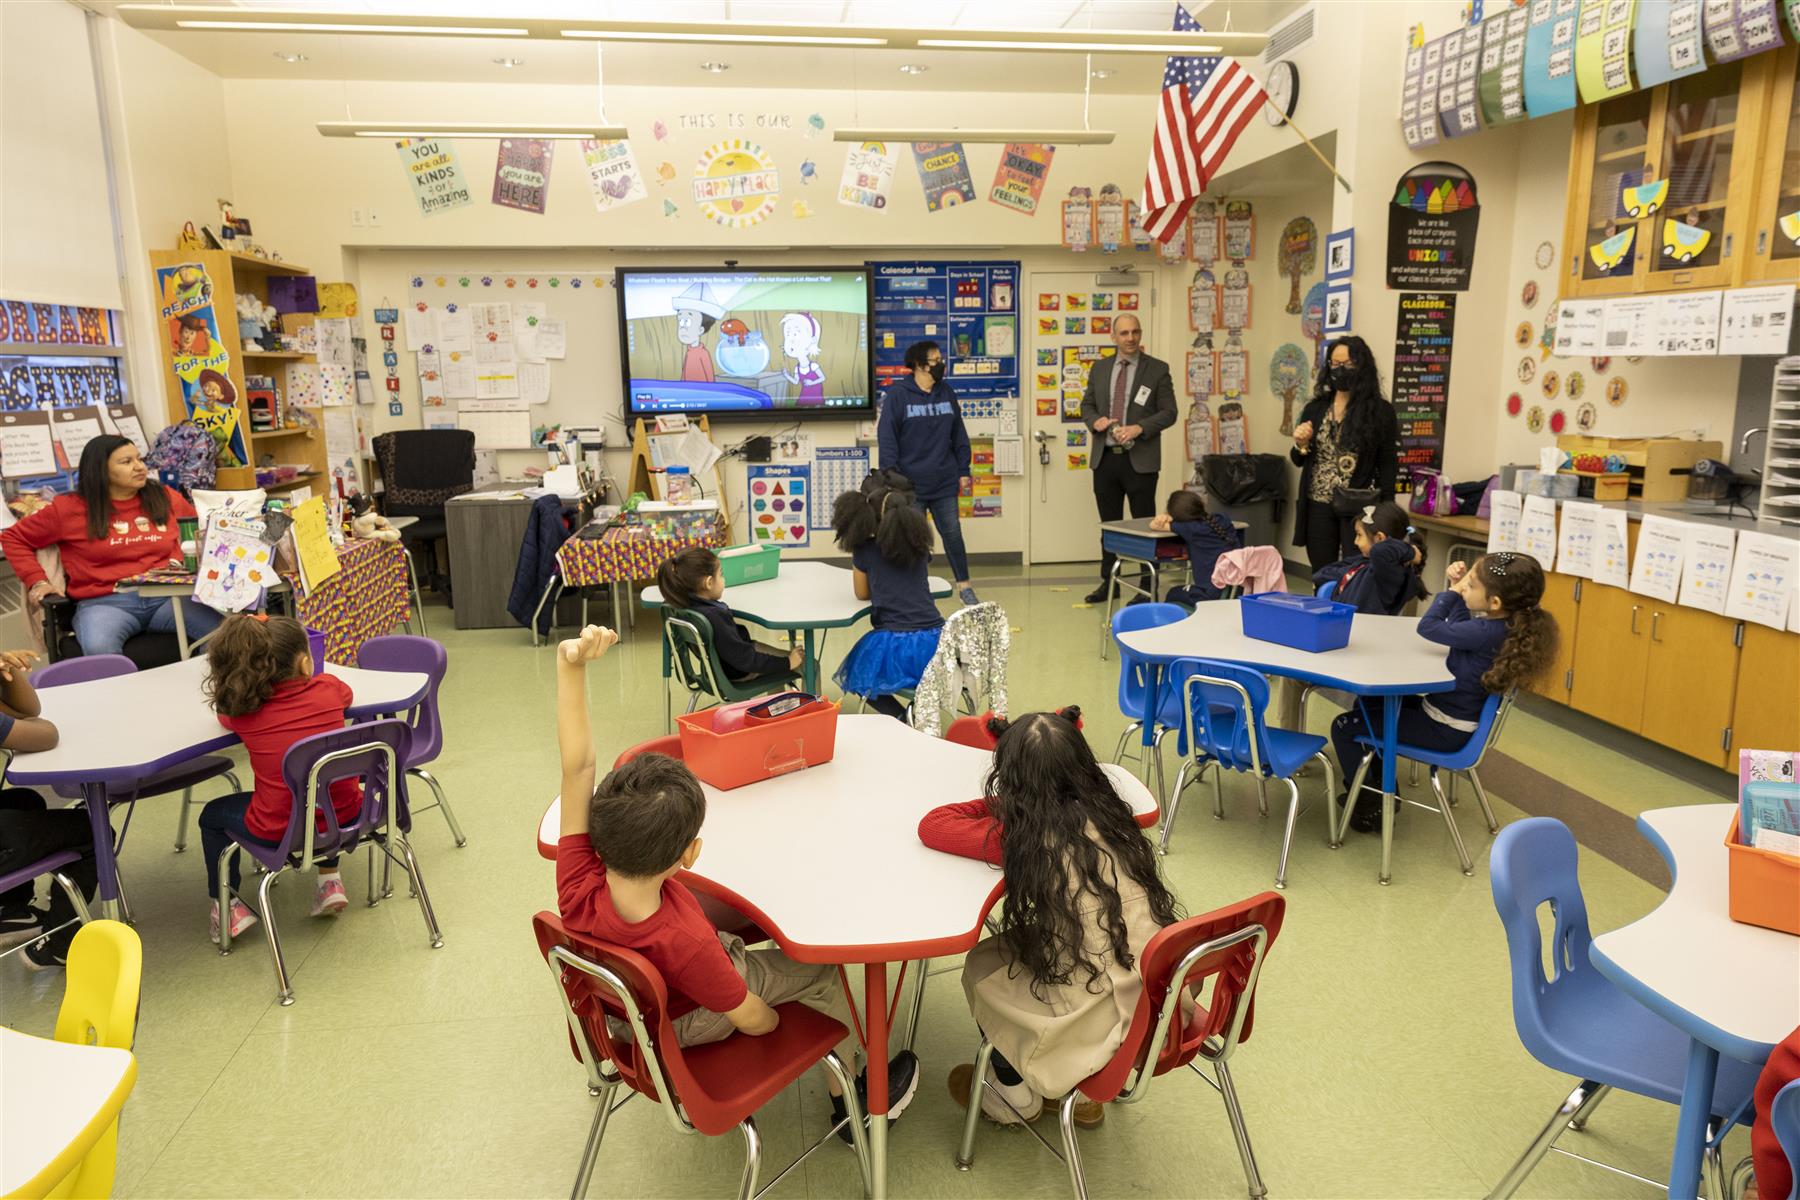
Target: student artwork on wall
<point>1340,256</point>
<point>436,175</point>
<point>1240,230</point>
<point>1174,251</point>
<point>1603,48</point>
<point>1312,319</point>
<point>522,174</point>
<point>1667,42</point>
<point>1234,300</point>
<point>1199,373</point>
<point>943,174</point>
<point>612,172</point>
<point>1337,308</point>
<point>1234,428</point>
<point>1203,232</point>
<point>1299,254</point>
<point>1432,223</point>
<point>1078,220</point>
<point>868,175</point>
<point>1459,74</point>
<point>736,184</point>
<point>1233,368</point>
<point>1020,176</point>
<point>1289,373</point>
<point>1111,230</point>
<point>1203,306</point>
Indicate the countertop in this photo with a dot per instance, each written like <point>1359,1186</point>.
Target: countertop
<point>1635,510</point>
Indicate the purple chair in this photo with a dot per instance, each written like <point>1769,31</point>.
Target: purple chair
<point>403,652</point>
<point>182,777</point>
<point>370,752</point>
<point>53,867</point>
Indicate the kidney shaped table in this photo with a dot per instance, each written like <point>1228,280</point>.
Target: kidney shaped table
<point>828,861</point>
<point>1385,657</point>
<point>127,727</point>
<point>1734,989</point>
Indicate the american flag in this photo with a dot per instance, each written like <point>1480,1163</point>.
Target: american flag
<point>1206,102</point>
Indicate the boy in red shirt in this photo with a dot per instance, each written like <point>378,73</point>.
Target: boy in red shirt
<point>622,844</point>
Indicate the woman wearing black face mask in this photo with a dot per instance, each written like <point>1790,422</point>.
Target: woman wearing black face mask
<point>921,435</point>
<point>1347,448</point>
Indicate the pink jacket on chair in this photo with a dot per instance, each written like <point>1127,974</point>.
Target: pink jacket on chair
<point>1254,568</point>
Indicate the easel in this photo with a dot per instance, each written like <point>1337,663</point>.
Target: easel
<point>649,482</point>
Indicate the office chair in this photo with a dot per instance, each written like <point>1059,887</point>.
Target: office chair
<point>420,470</point>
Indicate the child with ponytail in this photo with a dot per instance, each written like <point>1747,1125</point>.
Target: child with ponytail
<point>1206,535</point>
<point>261,683</point>
<point>1500,639</point>
<point>1382,577</point>
<point>889,543</point>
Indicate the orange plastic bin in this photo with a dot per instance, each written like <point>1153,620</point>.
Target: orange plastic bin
<point>758,751</point>
<point>1764,885</point>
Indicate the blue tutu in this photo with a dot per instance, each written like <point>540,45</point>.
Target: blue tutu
<point>885,661</point>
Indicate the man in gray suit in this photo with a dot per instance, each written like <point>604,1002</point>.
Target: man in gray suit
<point>1130,400</point>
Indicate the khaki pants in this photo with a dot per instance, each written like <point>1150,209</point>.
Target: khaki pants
<point>778,979</point>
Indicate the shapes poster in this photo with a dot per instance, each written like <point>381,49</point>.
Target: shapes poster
<point>1603,48</point>
<point>612,172</point>
<point>1422,336</point>
<point>437,176</point>
<point>1020,176</point>
<point>780,499</point>
<point>943,174</point>
<point>868,176</point>
<point>1550,57</point>
<point>1431,229</point>
<point>1502,83</point>
<point>1667,43</point>
<point>200,361</point>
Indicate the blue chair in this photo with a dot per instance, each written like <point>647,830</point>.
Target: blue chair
<point>1577,1021</point>
<point>1134,685</point>
<point>1465,760</point>
<point>1225,704</point>
<point>1326,589</point>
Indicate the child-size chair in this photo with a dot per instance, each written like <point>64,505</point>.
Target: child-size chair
<point>51,865</point>
<point>1169,1028</point>
<point>370,752</point>
<point>695,662</point>
<point>402,652</point>
<point>105,974</point>
<point>1134,687</point>
<point>969,666</point>
<point>1225,706</point>
<point>1575,1020</point>
<point>617,1006</point>
<point>1464,760</point>
<point>183,777</point>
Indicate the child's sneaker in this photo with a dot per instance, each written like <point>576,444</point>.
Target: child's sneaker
<point>329,898</point>
<point>42,955</point>
<point>19,923</point>
<point>1029,1104</point>
<point>903,1082</point>
<point>242,920</point>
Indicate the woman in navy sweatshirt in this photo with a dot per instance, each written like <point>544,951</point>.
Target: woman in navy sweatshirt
<point>921,435</point>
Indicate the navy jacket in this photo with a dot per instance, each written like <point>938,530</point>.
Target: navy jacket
<point>1474,643</point>
<point>737,652</point>
<point>1381,584</point>
<point>1205,542</point>
<point>922,436</point>
<point>545,532</point>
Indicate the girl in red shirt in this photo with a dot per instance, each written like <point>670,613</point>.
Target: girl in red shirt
<point>262,686</point>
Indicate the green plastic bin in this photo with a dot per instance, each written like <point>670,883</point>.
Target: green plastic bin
<point>752,565</point>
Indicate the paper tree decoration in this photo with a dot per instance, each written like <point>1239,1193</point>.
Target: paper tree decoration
<point>1299,254</point>
<point>1312,314</point>
<point>1288,373</point>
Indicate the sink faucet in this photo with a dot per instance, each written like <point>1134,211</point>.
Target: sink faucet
<point>1744,442</point>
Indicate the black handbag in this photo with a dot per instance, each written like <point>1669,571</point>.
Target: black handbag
<point>1350,502</point>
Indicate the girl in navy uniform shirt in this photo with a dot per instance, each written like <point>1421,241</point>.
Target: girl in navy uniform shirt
<point>1384,573</point>
<point>890,548</point>
<point>695,579</point>
<point>1206,535</point>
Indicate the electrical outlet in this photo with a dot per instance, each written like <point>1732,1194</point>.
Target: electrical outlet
<point>356,218</point>
<point>374,218</point>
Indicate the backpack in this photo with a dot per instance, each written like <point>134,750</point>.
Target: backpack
<point>187,450</point>
<point>1432,496</point>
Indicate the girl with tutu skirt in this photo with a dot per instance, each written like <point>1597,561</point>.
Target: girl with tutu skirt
<point>889,544</point>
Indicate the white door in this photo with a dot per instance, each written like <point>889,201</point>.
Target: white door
<point>1070,316</point>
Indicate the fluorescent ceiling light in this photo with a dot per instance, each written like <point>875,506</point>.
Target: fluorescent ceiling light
<point>725,37</point>
<point>1065,47</point>
<point>1050,137</point>
<point>396,130</point>
<point>334,27</point>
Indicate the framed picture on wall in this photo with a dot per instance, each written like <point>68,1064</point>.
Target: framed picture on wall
<point>1337,308</point>
<point>1340,254</point>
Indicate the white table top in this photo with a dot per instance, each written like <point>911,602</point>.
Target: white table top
<point>113,729</point>
<point>803,595</point>
<point>54,1097</point>
<point>1735,987</point>
<point>829,860</point>
<point>1140,527</point>
<point>1385,656</point>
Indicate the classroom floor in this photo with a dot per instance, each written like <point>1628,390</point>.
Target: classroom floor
<point>1384,1061</point>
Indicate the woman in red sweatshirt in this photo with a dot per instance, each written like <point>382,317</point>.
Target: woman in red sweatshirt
<point>117,523</point>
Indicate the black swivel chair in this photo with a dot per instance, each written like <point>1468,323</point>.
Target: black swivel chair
<point>147,650</point>
<point>420,470</point>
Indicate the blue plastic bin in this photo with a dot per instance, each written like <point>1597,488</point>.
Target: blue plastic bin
<point>1303,622</point>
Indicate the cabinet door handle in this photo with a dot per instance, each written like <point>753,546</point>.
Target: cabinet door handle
<point>1634,617</point>
<point>1655,623</point>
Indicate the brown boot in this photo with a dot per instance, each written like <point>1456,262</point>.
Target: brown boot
<point>1089,1114</point>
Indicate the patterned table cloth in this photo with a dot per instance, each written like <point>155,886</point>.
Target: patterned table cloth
<point>367,598</point>
<point>616,558</point>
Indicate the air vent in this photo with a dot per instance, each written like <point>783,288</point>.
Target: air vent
<point>1289,37</point>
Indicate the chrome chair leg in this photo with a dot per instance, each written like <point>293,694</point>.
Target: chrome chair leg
<point>752,1158</point>
<point>374,896</point>
<point>181,825</point>
<point>76,899</point>
<point>1156,753</point>
<point>1443,799</point>
<point>1450,789</point>
<point>1487,810</point>
<point>1413,778</point>
<point>1071,1147</point>
<point>124,901</point>
<point>418,883</point>
<point>1739,1185</point>
<point>590,1153</point>
<point>1350,798</point>
<point>923,966</point>
<point>853,1112</point>
<point>438,791</point>
<point>224,897</point>
<point>1579,1121</point>
<point>1240,1131</point>
<point>1540,1146</point>
<point>1712,1163</point>
<point>1262,795</point>
<point>1287,835</point>
<point>1331,817</point>
<point>1390,808</point>
<point>965,1153</point>
<point>284,989</point>
<point>1124,740</point>
<point>1218,790</point>
<point>1174,803</point>
<point>554,585</point>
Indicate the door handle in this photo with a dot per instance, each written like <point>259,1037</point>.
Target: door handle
<point>1655,623</point>
<point>1634,617</point>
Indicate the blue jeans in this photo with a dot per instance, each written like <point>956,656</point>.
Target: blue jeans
<point>221,822</point>
<point>103,624</point>
<point>949,527</point>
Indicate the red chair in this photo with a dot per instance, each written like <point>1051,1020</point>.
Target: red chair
<point>1227,945</point>
<point>620,1027</point>
<point>971,731</point>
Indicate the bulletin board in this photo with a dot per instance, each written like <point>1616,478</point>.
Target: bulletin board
<point>61,385</point>
<point>971,309</point>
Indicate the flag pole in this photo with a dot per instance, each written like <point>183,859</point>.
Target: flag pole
<point>1301,134</point>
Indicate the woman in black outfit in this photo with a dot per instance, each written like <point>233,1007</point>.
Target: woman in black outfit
<point>1346,445</point>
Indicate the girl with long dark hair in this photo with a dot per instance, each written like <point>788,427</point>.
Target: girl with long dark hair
<point>1347,448</point>
<point>1206,536</point>
<point>117,523</point>
<point>889,542</point>
<point>1055,989</point>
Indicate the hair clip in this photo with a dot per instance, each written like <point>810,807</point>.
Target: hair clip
<point>1499,561</point>
<point>1368,514</point>
<point>1411,530</point>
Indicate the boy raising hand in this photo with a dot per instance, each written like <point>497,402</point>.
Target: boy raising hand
<point>622,844</point>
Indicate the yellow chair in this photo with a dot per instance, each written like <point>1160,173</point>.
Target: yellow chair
<point>100,1008</point>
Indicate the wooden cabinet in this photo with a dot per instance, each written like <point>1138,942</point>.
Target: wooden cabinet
<point>1690,680</point>
<point>1775,244</point>
<point>1703,133</point>
<point>1611,655</point>
<point>1562,599</point>
<point>1766,712</point>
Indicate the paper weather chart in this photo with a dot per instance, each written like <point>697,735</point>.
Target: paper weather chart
<point>744,341</point>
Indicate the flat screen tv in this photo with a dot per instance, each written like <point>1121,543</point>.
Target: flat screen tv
<point>791,341</point>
